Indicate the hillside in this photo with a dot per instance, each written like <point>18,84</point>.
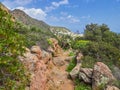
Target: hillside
<point>4,7</point>
<point>62,31</point>
<point>22,17</point>
<point>38,31</point>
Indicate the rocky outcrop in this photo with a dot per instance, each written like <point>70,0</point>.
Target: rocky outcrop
<point>85,74</point>
<point>112,88</point>
<point>75,71</point>
<point>102,75</point>
<point>37,51</point>
<point>38,82</point>
<point>58,61</point>
<point>55,48</point>
<point>46,56</point>
<point>79,57</point>
<point>99,77</point>
<point>35,61</point>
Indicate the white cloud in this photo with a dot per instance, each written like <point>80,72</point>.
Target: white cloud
<point>50,8</point>
<point>35,13</point>
<point>53,18</point>
<point>65,17</point>
<point>69,18</point>
<point>55,5</point>
<point>72,19</point>
<point>22,2</point>
<point>14,3</point>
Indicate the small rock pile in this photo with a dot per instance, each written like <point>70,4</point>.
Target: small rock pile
<point>99,77</point>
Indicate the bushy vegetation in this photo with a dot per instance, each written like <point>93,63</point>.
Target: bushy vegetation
<point>71,65</point>
<point>104,45</point>
<point>97,44</point>
<point>80,44</point>
<point>13,75</point>
<point>81,85</point>
<point>36,36</point>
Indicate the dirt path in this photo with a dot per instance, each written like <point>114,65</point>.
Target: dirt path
<point>57,74</point>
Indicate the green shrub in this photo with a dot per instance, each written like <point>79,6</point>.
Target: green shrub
<point>49,42</point>
<point>80,44</point>
<point>71,54</point>
<point>81,85</point>
<point>71,65</point>
<point>101,51</point>
<point>116,83</point>
<point>88,62</point>
<point>13,75</point>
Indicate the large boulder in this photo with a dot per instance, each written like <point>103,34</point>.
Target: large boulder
<point>102,76</point>
<point>37,51</point>
<point>112,88</point>
<point>69,58</point>
<point>29,60</point>
<point>34,60</point>
<point>79,57</point>
<point>58,61</point>
<point>116,72</point>
<point>46,56</point>
<point>75,71</point>
<point>55,48</point>
<point>85,74</point>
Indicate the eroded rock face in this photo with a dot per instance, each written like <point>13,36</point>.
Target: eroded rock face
<point>85,74</point>
<point>35,61</point>
<point>79,57</point>
<point>102,75</point>
<point>38,81</point>
<point>112,88</point>
<point>36,50</point>
<point>46,56</point>
<point>75,71</point>
<point>58,61</point>
<point>55,48</point>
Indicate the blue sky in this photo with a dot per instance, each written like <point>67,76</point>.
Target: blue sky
<point>73,14</point>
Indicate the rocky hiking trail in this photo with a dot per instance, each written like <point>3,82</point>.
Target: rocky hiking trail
<point>47,71</point>
<point>58,76</point>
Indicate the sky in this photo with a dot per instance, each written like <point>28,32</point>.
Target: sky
<point>72,14</point>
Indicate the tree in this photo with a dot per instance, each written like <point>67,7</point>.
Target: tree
<point>95,32</point>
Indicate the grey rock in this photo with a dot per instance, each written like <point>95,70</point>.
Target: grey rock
<point>85,74</point>
<point>112,88</point>
<point>102,75</point>
<point>116,72</point>
<point>75,71</point>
